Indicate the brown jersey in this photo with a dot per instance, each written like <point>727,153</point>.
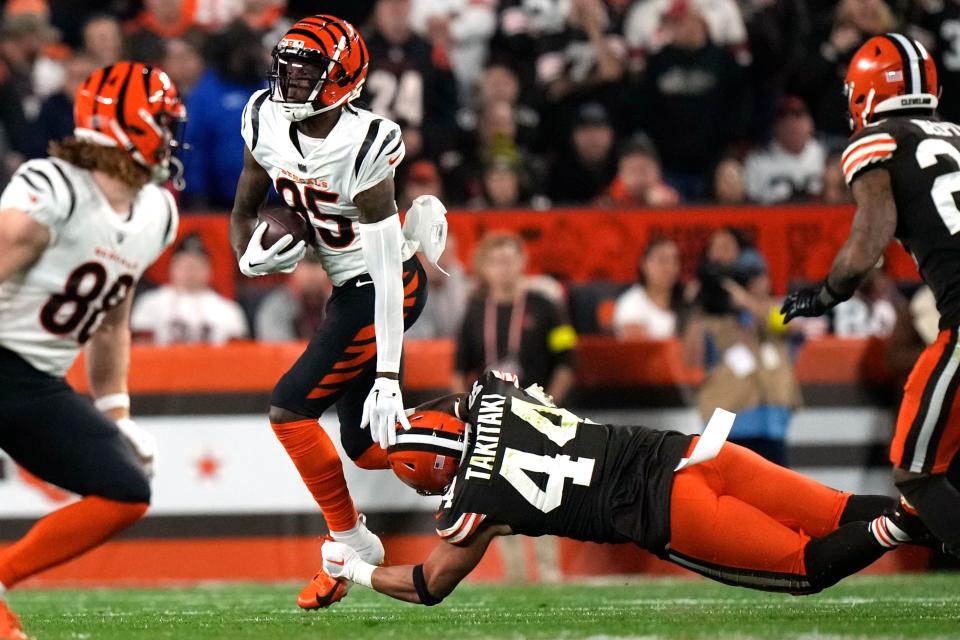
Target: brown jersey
<point>922,155</point>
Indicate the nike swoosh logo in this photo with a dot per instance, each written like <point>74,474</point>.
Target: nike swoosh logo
<point>337,562</point>
<point>394,159</point>
<point>363,282</point>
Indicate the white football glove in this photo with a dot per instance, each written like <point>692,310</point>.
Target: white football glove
<point>143,442</point>
<point>382,410</point>
<point>257,261</point>
<point>339,560</point>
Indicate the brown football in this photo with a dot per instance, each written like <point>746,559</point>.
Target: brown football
<point>280,222</point>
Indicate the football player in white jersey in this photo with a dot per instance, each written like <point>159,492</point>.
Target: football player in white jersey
<point>333,163</point>
<point>77,230</point>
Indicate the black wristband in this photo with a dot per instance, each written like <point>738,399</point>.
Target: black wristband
<point>420,584</point>
<point>830,298</point>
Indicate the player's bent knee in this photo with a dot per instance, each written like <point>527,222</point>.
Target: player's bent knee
<point>133,490</point>
<point>375,457</point>
<point>279,415</point>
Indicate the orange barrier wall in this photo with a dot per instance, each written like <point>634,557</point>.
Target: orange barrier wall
<point>799,242</point>
<point>602,362</point>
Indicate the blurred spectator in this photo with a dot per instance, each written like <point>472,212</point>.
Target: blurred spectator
<point>649,308</point>
<point>639,182</point>
<point>729,186</point>
<point>447,297</point>
<point>421,179</point>
<point>778,32</point>
<point>213,165</point>
<point>871,312</point>
<point>938,27</point>
<point>504,188</point>
<point>187,310</point>
<point>692,101</point>
<point>916,327</point>
<point>509,328</point>
<point>55,121</point>
<point>294,311</point>
<point>582,173</point>
<point>646,33</point>
<point>791,166</point>
<point>819,78</point>
<point>584,61</point>
<point>835,190</point>
<point>26,75</point>
<point>409,81</point>
<point>463,29</point>
<point>103,39</point>
<point>162,18</point>
<point>183,61</point>
<point>496,126</point>
<point>741,341</point>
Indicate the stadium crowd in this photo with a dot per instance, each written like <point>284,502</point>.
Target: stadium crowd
<point>505,103</point>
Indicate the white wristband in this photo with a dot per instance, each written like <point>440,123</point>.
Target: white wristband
<point>112,401</point>
<point>362,574</point>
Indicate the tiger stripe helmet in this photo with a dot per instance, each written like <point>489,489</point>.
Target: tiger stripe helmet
<point>132,106</point>
<point>427,456</point>
<point>318,65</point>
<point>890,72</point>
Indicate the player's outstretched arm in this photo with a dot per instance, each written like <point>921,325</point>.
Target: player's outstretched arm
<point>427,583</point>
<point>252,188</point>
<point>873,228</point>
<point>22,241</point>
<point>382,241</point>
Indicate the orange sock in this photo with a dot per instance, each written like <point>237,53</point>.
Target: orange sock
<point>315,457</point>
<point>65,534</point>
<point>373,458</point>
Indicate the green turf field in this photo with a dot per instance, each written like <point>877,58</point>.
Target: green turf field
<point>893,607</point>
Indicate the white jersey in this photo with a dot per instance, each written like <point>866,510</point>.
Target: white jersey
<point>320,178</point>
<point>170,316</point>
<point>92,263</point>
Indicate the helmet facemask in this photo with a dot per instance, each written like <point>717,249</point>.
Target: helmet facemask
<point>298,80</point>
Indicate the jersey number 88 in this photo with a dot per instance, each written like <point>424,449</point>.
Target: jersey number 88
<point>66,311</point>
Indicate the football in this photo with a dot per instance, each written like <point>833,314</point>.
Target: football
<point>282,221</point>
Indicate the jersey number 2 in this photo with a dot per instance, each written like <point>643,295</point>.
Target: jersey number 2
<point>946,186</point>
<point>557,468</point>
<point>66,311</point>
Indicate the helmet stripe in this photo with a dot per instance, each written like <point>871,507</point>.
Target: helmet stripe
<point>921,71</point>
<point>308,35</point>
<point>452,446</point>
<point>122,98</point>
<point>908,57</point>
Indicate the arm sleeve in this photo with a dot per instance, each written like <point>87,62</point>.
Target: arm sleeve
<point>867,152</point>
<point>377,157</point>
<point>43,191</point>
<point>381,244</point>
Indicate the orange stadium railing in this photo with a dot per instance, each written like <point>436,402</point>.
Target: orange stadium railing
<point>578,245</point>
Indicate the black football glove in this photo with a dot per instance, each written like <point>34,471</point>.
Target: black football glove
<point>809,302</point>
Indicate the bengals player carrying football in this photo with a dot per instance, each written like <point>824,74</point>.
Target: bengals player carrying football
<point>333,164</point>
<point>510,462</point>
<point>903,167</point>
<point>77,230</point>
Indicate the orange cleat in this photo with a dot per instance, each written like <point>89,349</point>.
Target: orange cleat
<point>322,592</point>
<point>10,628</point>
